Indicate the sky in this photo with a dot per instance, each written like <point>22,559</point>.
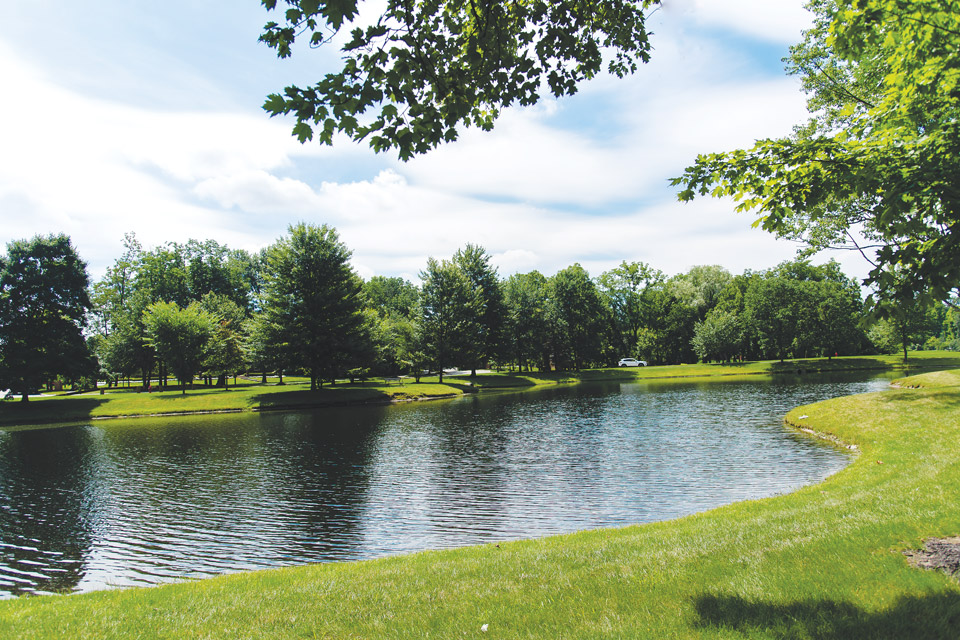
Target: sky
<point>146,117</point>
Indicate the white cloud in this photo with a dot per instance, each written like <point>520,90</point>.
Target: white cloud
<point>95,169</point>
<point>774,20</point>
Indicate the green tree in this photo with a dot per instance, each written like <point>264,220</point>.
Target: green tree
<point>881,155</point>
<point>112,293</point>
<point>771,311</point>
<point>180,337</point>
<point>700,287</point>
<point>487,293</point>
<point>449,312</point>
<point>718,337</point>
<point>421,70</point>
<point>391,296</point>
<point>527,328</point>
<point>224,355</point>
<point>43,306</point>
<point>313,304</point>
<point>626,291</point>
<point>162,275</point>
<point>577,315</point>
<point>262,346</point>
<point>215,268</point>
<point>127,349</point>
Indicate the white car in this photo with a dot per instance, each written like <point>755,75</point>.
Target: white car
<point>631,362</point>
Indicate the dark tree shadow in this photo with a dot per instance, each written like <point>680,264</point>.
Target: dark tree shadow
<point>913,617</point>
<point>59,411</point>
<point>335,395</point>
<point>496,382</point>
<point>840,364</point>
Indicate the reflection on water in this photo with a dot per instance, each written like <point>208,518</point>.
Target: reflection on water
<point>144,502</point>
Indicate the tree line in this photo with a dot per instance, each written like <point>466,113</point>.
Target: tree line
<point>201,309</point>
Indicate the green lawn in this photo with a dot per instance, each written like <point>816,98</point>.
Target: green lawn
<point>824,562</point>
<point>251,395</point>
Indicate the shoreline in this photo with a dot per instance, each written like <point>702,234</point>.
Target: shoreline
<point>383,395</point>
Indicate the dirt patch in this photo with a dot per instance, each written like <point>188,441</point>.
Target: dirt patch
<point>942,554</point>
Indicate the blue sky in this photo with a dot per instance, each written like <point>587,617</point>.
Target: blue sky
<point>145,117</point>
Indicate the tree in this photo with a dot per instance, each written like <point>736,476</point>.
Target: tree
<point>449,312</point>
<point>112,293</point>
<point>128,349</point>
<point>391,296</point>
<point>488,306</point>
<point>626,289</point>
<point>771,312</point>
<point>700,287</point>
<point>718,336</point>
<point>421,70</point>
<point>261,346</point>
<point>162,275</point>
<point>43,306</point>
<point>180,337</point>
<point>313,303</point>
<point>527,328</point>
<point>577,315</point>
<point>882,153</point>
<point>223,355</point>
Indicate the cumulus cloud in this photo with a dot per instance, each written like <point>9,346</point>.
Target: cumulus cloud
<point>579,180</point>
<point>774,20</point>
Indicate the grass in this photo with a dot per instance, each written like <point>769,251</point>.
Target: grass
<point>250,395</point>
<point>245,396</point>
<point>823,562</point>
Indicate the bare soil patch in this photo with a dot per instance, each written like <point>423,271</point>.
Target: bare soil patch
<point>941,554</point>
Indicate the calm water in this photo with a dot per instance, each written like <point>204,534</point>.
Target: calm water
<point>144,502</point>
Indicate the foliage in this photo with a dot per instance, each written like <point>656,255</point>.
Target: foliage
<point>43,306</point>
<point>391,296</point>
<point>313,304</point>
<point>450,309</point>
<point>419,71</point>
<point>127,348</point>
<point>883,163</point>
<point>627,291</point>
<point>527,329</point>
<point>180,336</point>
<point>577,318</point>
<point>223,354</point>
<point>487,293</point>
<point>718,337</point>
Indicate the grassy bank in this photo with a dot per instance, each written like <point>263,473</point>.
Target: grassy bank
<point>823,562</point>
<point>250,395</point>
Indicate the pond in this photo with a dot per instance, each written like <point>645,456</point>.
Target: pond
<point>142,502</point>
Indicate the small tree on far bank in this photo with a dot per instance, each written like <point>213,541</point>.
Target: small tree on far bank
<point>449,312</point>
<point>180,337</point>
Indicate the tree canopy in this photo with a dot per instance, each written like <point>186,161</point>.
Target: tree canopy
<point>415,74</point>
<point>313,303</point>
<point>43,305</point>
<point>875,168</point>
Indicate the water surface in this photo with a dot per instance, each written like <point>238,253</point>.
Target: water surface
<point>149,501</point>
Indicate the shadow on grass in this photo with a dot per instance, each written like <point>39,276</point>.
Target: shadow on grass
<point>931,616</point>
<point>839,364</point>
<point>948,398</point>
<point>499,381</point>
<point>58,410</point>
<point>325,396</point>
